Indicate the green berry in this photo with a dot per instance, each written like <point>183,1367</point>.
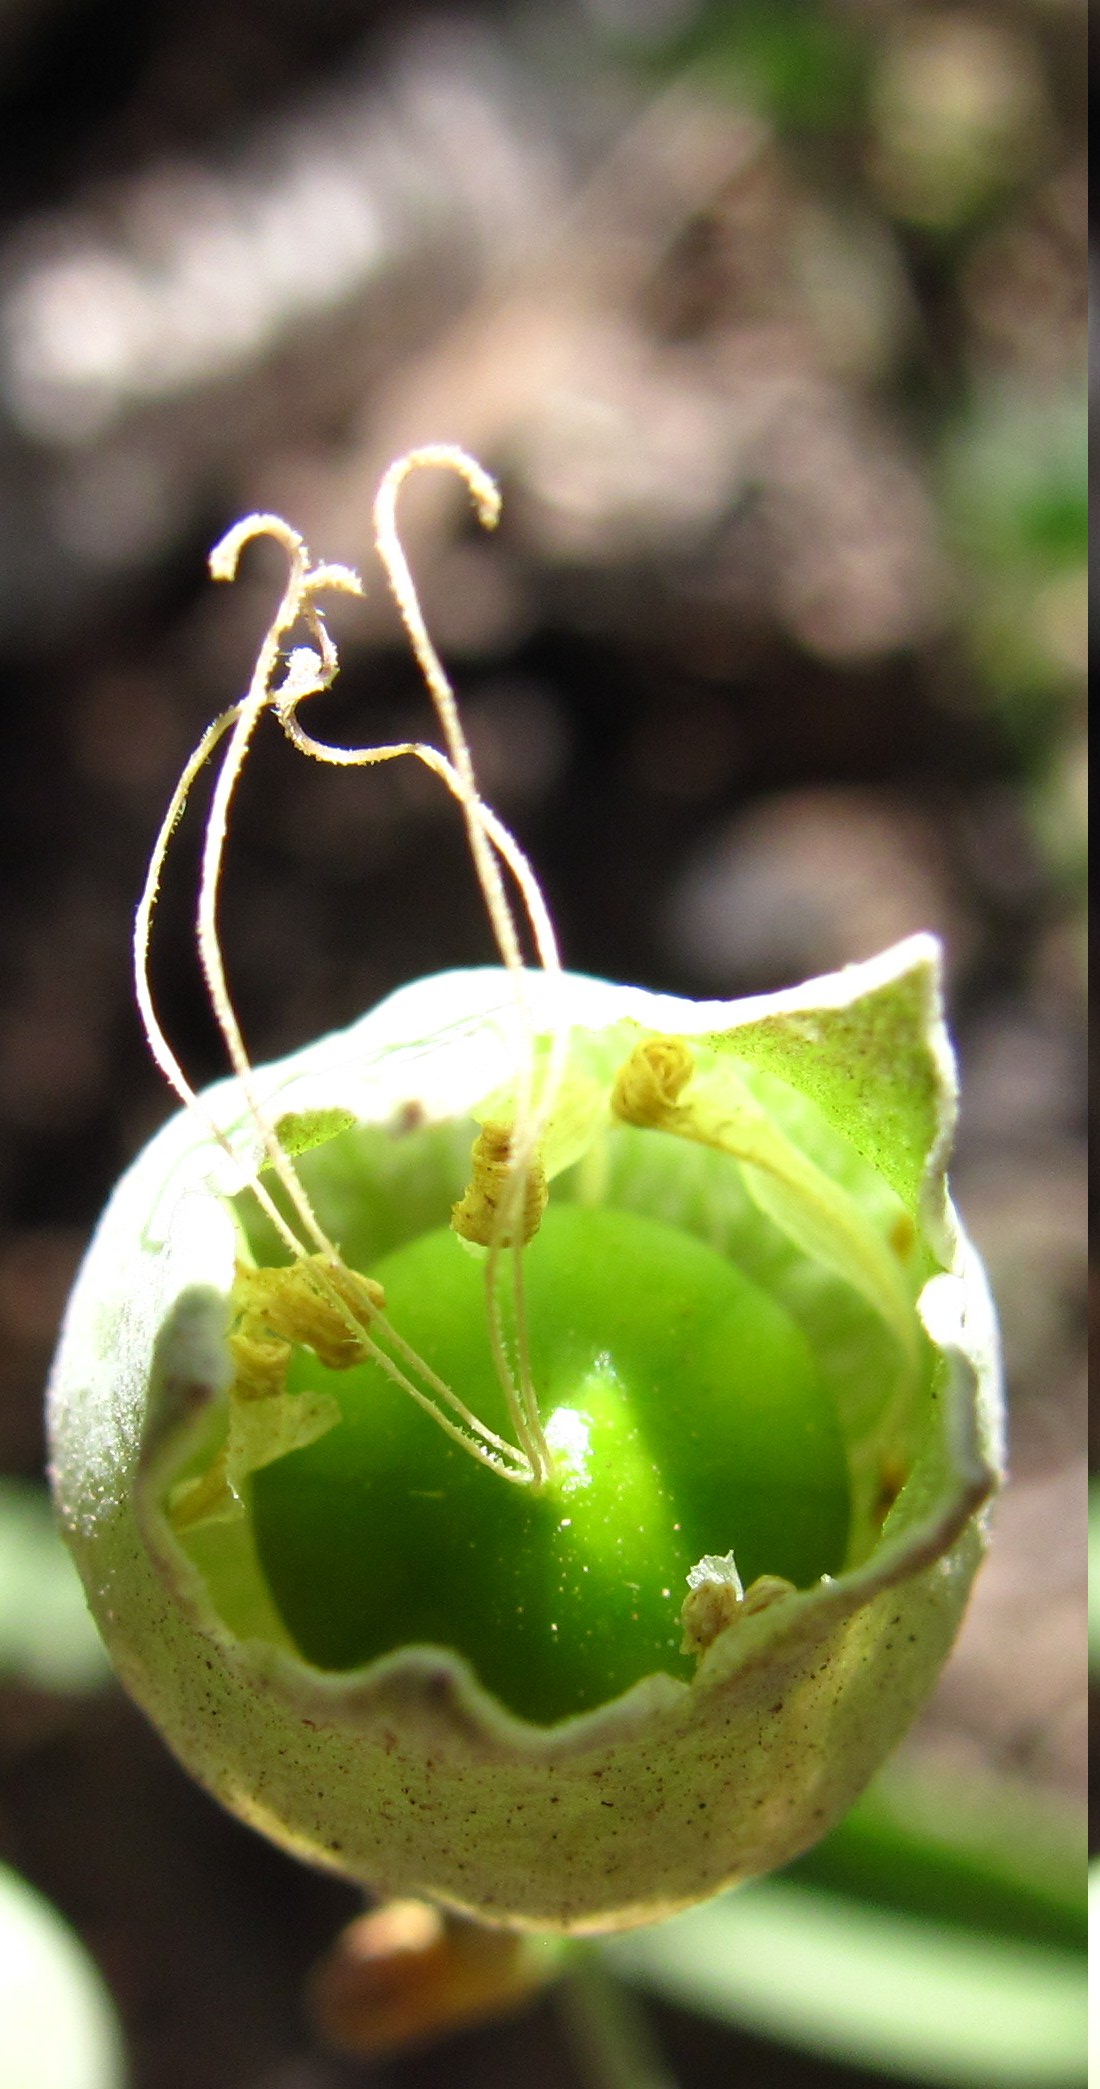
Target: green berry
<point>686,1416</point>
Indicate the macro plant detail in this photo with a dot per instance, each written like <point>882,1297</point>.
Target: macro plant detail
<point>529,1450</point>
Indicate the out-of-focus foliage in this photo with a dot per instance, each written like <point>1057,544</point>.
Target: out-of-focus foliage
<point>58,2028</point>
<point>984,1853</point>
<point>877,1989</point>
<point>47,1639</point>
<point>805,66</point>
<point>1015,479</point>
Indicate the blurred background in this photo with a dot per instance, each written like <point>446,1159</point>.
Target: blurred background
<point>769,315</point>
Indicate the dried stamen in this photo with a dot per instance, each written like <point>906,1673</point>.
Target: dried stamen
<point>345,1319</point>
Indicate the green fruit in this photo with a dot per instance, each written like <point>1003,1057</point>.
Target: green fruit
<point>686,1416</point>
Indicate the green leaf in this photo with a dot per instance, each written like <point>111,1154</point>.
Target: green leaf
<point>988,1852</point>
<point>872,1987</point>
<point>58,2028</point>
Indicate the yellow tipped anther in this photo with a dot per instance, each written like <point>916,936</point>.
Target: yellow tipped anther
<point>302,1303</point>
<point>764,1591</point>
<point>261,1362</point>
<point>651,1081</point>
<point>475,1216</point>
<point>716,1599</point>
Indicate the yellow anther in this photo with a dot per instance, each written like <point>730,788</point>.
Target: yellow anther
<point>706,1612</point>
<point>652,1080</point>
<point>302,1303</point>
<point>475,1214</point>
<point>261,1362</point>
<point>764,1591</point>
<point>716,1599</point>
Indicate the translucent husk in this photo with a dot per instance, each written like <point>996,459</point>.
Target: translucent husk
<point>406,1774</point>
<point>804,1134</point>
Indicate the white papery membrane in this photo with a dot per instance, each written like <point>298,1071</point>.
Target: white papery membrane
<point>406,1774</point>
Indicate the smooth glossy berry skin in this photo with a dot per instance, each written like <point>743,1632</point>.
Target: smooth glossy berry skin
<point>686,1416</point>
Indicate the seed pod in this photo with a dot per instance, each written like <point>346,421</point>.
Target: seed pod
<point>755,1329</point>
